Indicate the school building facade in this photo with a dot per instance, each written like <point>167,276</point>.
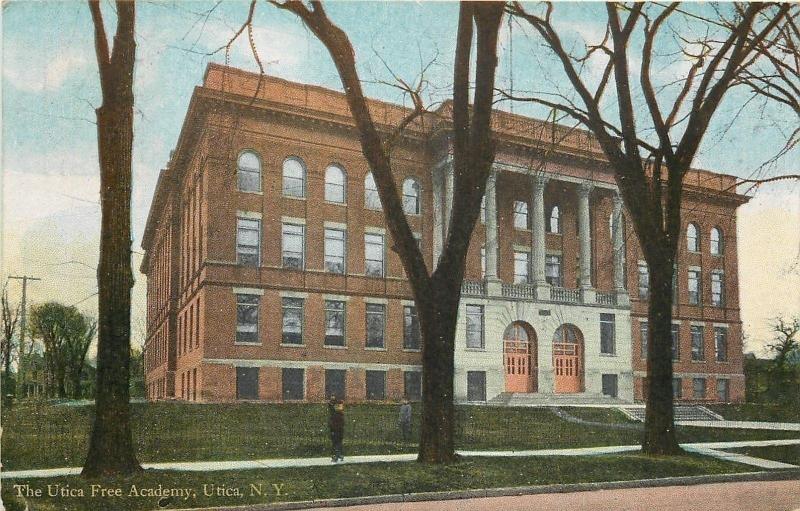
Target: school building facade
<point>270,274</point>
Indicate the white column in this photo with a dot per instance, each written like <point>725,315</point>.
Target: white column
<point>438,214</point>
<point>491,227</point>
<point>537,230</point>
<point>619,255</point>
<point>585,242</point>
<point>448,195</point>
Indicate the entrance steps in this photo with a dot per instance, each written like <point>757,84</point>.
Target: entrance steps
<point>682,413</point>
<point>536,399</point>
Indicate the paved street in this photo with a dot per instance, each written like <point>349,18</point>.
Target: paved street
<point>744,496</point>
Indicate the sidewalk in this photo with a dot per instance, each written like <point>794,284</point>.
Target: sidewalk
<point>704,448</point>
<point>775,426</point>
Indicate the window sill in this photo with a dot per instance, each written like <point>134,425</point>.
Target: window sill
<point>239,343</point>
<point>693,361</point>
<point>608,355</point>
<point>293,197</point>
<point>412,350</point>
<point>290,345</point>
<point>334,203</point>
<point>374,348</point>
<point>378,210</point>
<point>475,349</point>
<point>284,268</point>
<point>250,192</point>
<point>332,347</point>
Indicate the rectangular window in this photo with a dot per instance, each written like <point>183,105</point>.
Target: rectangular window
<point>334,383</point>
<point>521,267</point>
<point>292,321</point>
<point>699,388</point>
<point>412,385</point>
<point>723,392</point>
<point>476,386</point>
<point>693,287</point>
<point>721,344</point>
<point>609,382</point>
<point>411,332</point>
<point>607,334</point>
<point>644,281</point>
<point>293,246</point>
<point>293,384</point>
<point>246,383</point>
<point>373,255</point>
<point>248,241</point>
<point>677,388</point>
<point>334,323</point>
<point>475,326</point>
<point>717,289</point>
<point>520,215</point>
<point>335,251</point>
<point>552,271</point>
<point>643,333</point>
<point>376,385</point>
<point>375,322</point>
<point>676,342</point>
<point>698,344</point>
<point>247,318</point>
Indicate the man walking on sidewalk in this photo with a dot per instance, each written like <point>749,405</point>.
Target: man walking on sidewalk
<point>336,426</point>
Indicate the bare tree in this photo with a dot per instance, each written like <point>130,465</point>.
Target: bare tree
<point>10,317</point>
<point>111,448</point>
<point>650,174</point>
<point>436,292</point>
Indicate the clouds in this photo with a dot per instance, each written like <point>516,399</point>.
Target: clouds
<point>40,71</point>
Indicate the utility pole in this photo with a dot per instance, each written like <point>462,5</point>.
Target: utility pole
<point>23,321</point>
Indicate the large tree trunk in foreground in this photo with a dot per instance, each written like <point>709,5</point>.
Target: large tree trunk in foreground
<point>659,424</point>
<point>111,449</point>
<point>438,324</point>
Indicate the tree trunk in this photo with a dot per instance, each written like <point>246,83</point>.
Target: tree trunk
<point>111,446</point>
<point>659,424</point>
<point>438,324</point>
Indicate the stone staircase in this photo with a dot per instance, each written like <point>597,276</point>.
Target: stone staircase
<point>534,399</point>
<point>682,413</point>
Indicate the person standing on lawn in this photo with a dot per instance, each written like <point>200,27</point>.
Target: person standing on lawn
<point>405,420</point>
<point>336,426</point>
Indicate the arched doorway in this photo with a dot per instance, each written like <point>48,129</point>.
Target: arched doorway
<point>568,359</point>
<point>519,357</point>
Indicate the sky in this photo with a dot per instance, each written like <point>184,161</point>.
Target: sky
<point>50,177</point>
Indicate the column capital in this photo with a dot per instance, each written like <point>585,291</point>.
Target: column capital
<point>540,181</point>
<point>617,198</point>
<point>584,189</point>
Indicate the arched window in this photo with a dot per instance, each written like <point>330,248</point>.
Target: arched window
<point>554,225</point>
<point>371,198</point>
<point>249,172</point>
<point>520,214</point>
<point>411,196</point>
<point>567,334</point>
<point>335,188</point>
<point>692,241</point>
<point>294,177</point>
<point>716,241</point>
<point>515,332</point>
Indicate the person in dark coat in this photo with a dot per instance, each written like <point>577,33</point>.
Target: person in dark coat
<point>404,420</point>
<point>336,426</point>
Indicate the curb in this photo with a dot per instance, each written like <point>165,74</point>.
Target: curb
<point>777,475</point>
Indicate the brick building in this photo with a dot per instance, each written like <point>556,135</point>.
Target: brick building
<point>270,273</point>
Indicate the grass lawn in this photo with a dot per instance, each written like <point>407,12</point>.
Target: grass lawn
<point>372,479</point>
<point>45,436</point>
<point>785,453</point>
<point>758,412</point>
<point>604,415</point>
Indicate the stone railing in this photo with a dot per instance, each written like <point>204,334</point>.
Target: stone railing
<point>473,288</point>
<point>518,291</point>
<point>560,294</point>
<point>606,298</point>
